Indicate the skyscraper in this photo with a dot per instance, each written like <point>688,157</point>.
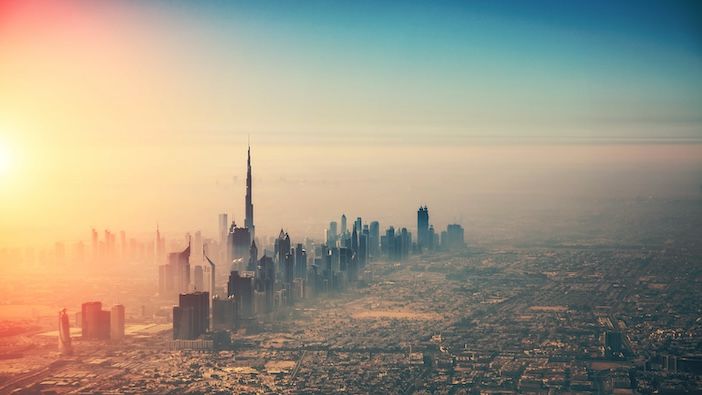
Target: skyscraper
<point>332,234</point>
<point>240,285</point>
<point>212,274</point>
<point>174,276</point>
<point>223,223</point>
<point>454,237</point>
<point>249,220</point>
<point>282,248</point>
<point>95,322</point>
<point>65,347</point>
<point>343,224</point>
<point>253,257</point>
<point>117,322</point>
<point>423,228</point>
<point>191,318</point>
<point>240,242</point>
<point>199,278</point>
<point>300,262</point>
<point>374,239</point>
<point>266,281</point>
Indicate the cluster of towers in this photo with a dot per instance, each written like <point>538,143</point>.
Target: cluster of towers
<point>96,324</point>
<point>257,287</point>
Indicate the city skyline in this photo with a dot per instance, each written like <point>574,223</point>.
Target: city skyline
<point>351,197</point>
<point>170,92</point>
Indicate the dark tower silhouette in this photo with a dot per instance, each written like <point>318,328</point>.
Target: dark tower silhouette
<point>423,228</point>
<point>249,220</point>
<point>253,257</point>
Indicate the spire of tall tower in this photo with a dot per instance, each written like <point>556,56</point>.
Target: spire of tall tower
<point>249,220</point>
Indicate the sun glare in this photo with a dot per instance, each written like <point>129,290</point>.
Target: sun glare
<point>5,158</point>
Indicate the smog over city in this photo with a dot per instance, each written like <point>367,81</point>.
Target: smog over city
<point>363,197</point>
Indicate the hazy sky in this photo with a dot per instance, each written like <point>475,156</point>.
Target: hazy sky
<point>120,114</point>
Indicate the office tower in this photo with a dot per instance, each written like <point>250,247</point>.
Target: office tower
<point>174,276</point>
<point>241,286</point>
<point>95,322</point>
<point>354,240</point>
<point>422,228</point>
<point>253,257</point>
<point>196,259</point>
<point>95,244</point>
<point>224,313</point>
<point>266,281</point>
<point>431,236</point>
<point>289,274</point>
<point>223,226</point>
<point>181,263</point>
<point>191,318</point>
<point>249,219</point>
<point>289,266</point>
<point>332,234</point>
<point>405,243</point>
<point>362,253</point>
<point>240,242</point>
<point>212,274</point>
<point>160,246</point>
<point>117,322</point>
<point>388,242</point>
<point>282,248</point>
<point>64,334</point>
<point>343,224</point>
<point>298,289</point>
<point>348,262</point>
<point>199,279</point>
<point>300,262</point>
<point>374,239</point>
<point>454,237</point>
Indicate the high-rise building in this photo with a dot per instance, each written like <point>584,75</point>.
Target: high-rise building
<point>117,322</point>
<point>160,246</point>
<point>253,257</point>
<point>198,279</point>
<point>282,248</point>
<point>332,234</point>
<point>343,224</point>
<point>300,262</point>
<point>212,275</point>
<point>224,313</point>
<point>265,281</point>
<point>96,253</point>
<point>374,239</point>
<point>423,228</point>
<point>174,276</point>
<point>95,322</point>
<point>249,220</point>
<point>191,318</point>
<point>64,336</point>
<point>223,226</point>
<point>240,242</point>
<point>454,237</point>
<point>241,286</point>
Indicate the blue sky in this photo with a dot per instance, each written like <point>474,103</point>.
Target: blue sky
<point>631,69</point>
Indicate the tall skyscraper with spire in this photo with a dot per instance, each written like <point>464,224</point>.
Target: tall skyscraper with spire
<point>249,220</point>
